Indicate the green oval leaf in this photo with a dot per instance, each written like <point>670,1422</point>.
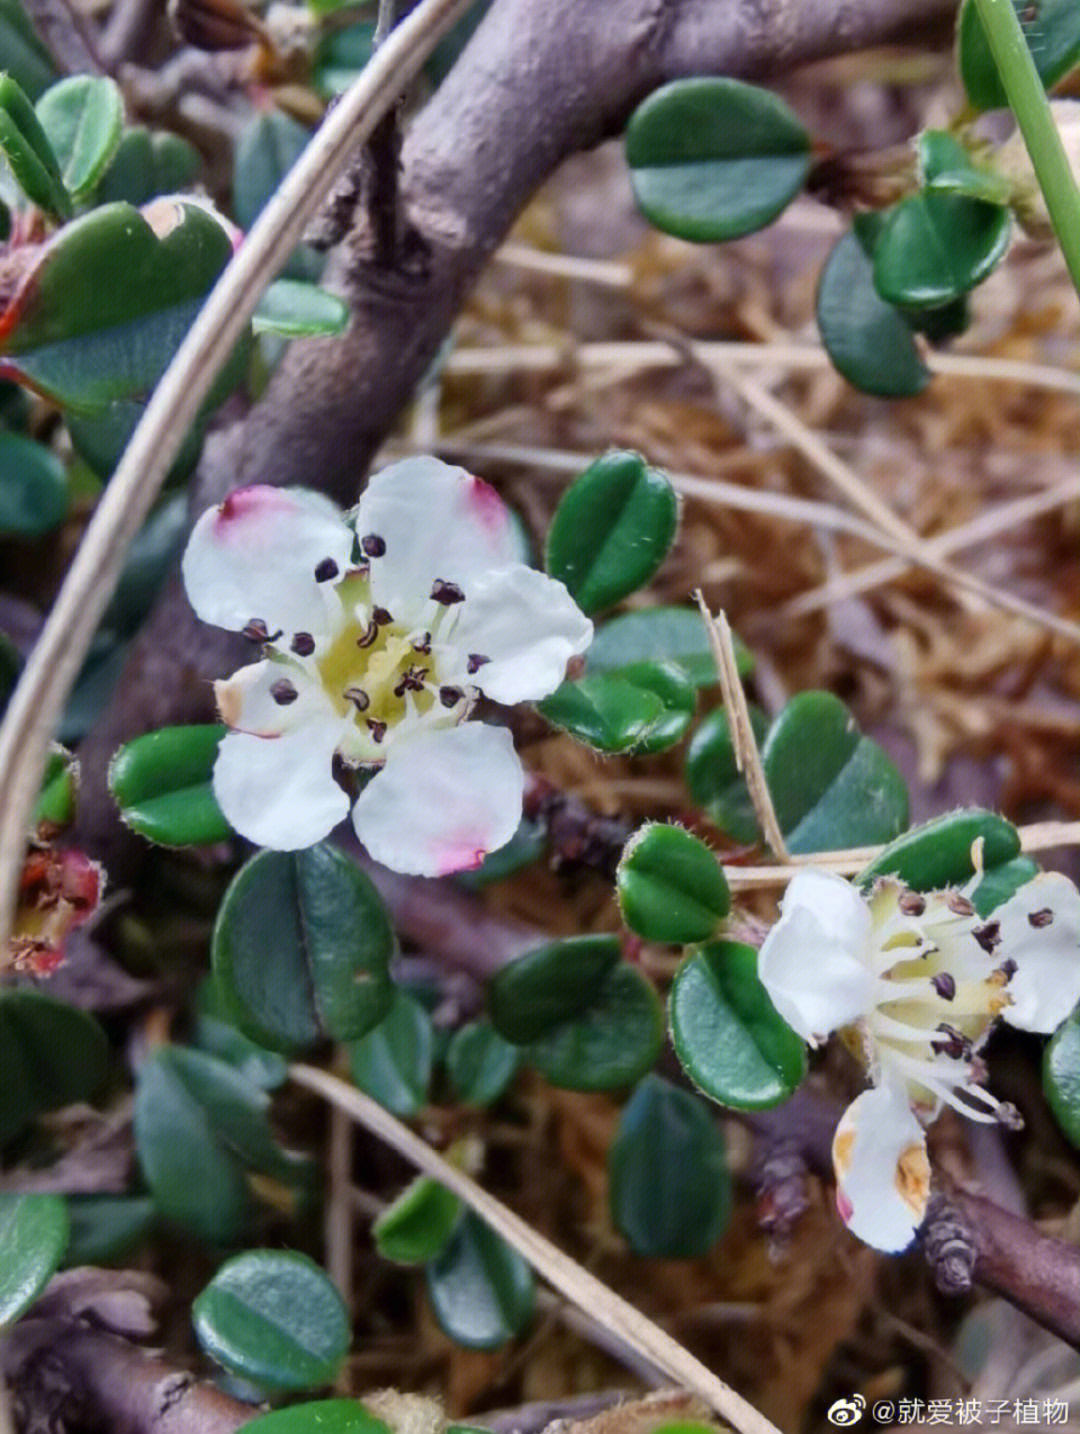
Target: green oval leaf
<point>417,1226</point>
<point>25,146</point>
<point>161,783</point>
<point>481,1290</point>
<point>1061,1076</point>
<point>393,1062</point>
<point>713,778</point>
<point>948,166</point>
<point>726,1032</point>
<point>33,1237</point>
<point>608,712</point>
<point>22,54</point>
<point>661,634</point>
<point>301,949</point>
<point>321,1416</point>
<point>670,886</point>
<point>678,698</point>
<point>216,1034</point>
<point>670,1189</point>
<point>611,530</point>
<point>550,985</point>
<point>83,117</point>
<point>1003,881</point>
<point>267,149</point>
<point>274,1317</point>
<point>59,788</point>
<point>1053,36</point>
<point>33,487</point>
<point>50,1056</point>
<point>610,1044</point>
<point>938,853</point>
<point>936,246</point>
<point>106,1229</point>
<point>296,310</point>
<point>711,159</point>
<point>480,1063</point>
<point>147,164</point>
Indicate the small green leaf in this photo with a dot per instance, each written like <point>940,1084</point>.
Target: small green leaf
<point>218,1036</point>
<point>609,712</point>
<point>268,147</point>
<point>22,55</point>
<point>480,1063</point>
<point>147,164</point>
<point>341,54</point>
<point>610,1044</point>
<point>34,1233</point>
<point>947,166</point>
<point>661,634</point>
<point>393,1062</point>
<point>677,695</point>
<point>936,246</point>
<point>712,159</point>
<point>301,949</point>
<point>322,1416</point>
<point>25,146</point>
<point>938,853</point>
<point>274,1317</point>
<point>670,886</point>
<point>106,1229</point>
<point>33,487</point>
<point>59,788</point>
<point>1001,882</point>
<point>670,1188</point>
<point>713,777</point>
<point>417,1226</point>
<point>481,1290</point>
<point>726,1032</point>
<point>611,530</point>
<point>161,783</point>
<point>1052,30</point>
<point>50,1055</point>
<point>550,985</point>
<point>296,310</point>
<point>1061,1076</point>
<point>83,117</point>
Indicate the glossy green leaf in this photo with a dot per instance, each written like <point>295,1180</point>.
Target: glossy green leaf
<point>147,164</point>
<point>22,55</point>
<point>200,1128</point>
<point>107,1229</point>
<point>936,246</point>
<point>72,332</point>
<point>481,1290</point>
<point>831,786</point>
<point>546,987</point>
<point>268,147</point>
<point>393,1062</point>
<point>83,117</point>
<point>1052,30</point>
<point>611,530</point>
<point>25,146</point>
<point>1003,881</point>
<point>33,487</point>
<point>341,54</point>
<point>275,1318</point>
<point>948,166</point>
<point>296,310</point>
<point>161,783</point>
<point>480,1063</point>
<point>33,1236</point>
<point>713,778</point>
<point>59,788</point>
<point>726,1032</point>
<point>609,712</point>
<point>938,853</point>
<point>670,1189</point>
<point>677,694</point>
<point>417,1226</point>
<point>661,634</point>
<point>216,1034</point>
<point>50,1055</point>
<point>610,1044</point>
<point>1061,1076</point>
<point>321,1416</point>
<point>670,885</point>
<point>712,159</point>
<point>301,949</point>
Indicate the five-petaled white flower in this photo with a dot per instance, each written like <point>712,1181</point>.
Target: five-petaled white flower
<point>379,632</point>
<point>914,982</point>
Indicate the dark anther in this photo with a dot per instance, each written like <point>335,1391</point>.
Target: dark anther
<point>358,697</point>
<point>381,617</point>
<point>955,1044</point>
<point>369,635</point>
<point>912,903</point>
<point>1008,968</point>
<point>450,696</point>
<point>446,593</point>
<point>1042,918</point>
<point>944,984</point>
<point>959,905</point>
<point>303,644</point>
<point>326,570</point>
<point>377,729</point>
<point>988,936</point>
<point>255,630</point>
<point>373,545</point>
<point>476,661</point>
<point>1009,1116</point>
<point>283,692</point>
<point>411,680</point>
<point>423,644</point>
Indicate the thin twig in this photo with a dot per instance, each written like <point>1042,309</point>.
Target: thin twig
<point>743,741</point>
<point>339,1205</point>
<point>53,666</point>
<point>561,1272</point>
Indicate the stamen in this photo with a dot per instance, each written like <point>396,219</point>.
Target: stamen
<point>412,680</point>
<point>959,905</point>
<point>380,616</point>
<point>423,644</point>
<point>326,570</point>
<point>475,662</point>
<point>255,630</point>
<point>954,1044</point>
<point>912,903</point>
<point>446,593</point>
<point>358,697</point>
<point>945,985</point>
<point>988,936</point>
<point>1007,969</point>
<point>370,633</point>
<point>283,692</point>
<point>1042,918</point>
<point>303,644</point>
<point>450,696</point>
<point>373,545</point>
<point>377,729</point>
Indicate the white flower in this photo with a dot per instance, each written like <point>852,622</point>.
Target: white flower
<point>914,982</point>
<point>379,632</point>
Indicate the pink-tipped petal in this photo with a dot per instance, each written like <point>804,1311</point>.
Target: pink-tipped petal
<point>1040,931</point>
<point>279,791</point>
<point>528,627</point>
<point>443,801</point>
<point>256,555</point>
<point>882,1171</point>
<point>438,523</point>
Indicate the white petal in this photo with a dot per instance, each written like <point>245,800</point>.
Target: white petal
<point>279,791</point>
<point>813,962</point>
<point>247,704</point>
<point>1040,931</point>
<point>255,556</point>
<point>882,1171</point>
<point>443,800</point>
<point>437,522</point>
<point>529,627</point>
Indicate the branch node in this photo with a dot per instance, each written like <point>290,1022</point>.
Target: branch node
<point>949,1245</point>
